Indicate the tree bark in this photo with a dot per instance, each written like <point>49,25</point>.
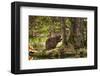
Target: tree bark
<point>76,32</point>
<point>63,29</point>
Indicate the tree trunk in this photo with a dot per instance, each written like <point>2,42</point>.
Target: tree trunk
<point>76,32</point>
<point>63,29</point>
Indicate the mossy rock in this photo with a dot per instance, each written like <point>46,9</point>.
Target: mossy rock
<point>67,51</point>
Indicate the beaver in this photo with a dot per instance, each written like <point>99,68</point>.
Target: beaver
<point>52,42</point>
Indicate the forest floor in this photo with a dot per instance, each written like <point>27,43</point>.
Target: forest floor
<point>58,53</point>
